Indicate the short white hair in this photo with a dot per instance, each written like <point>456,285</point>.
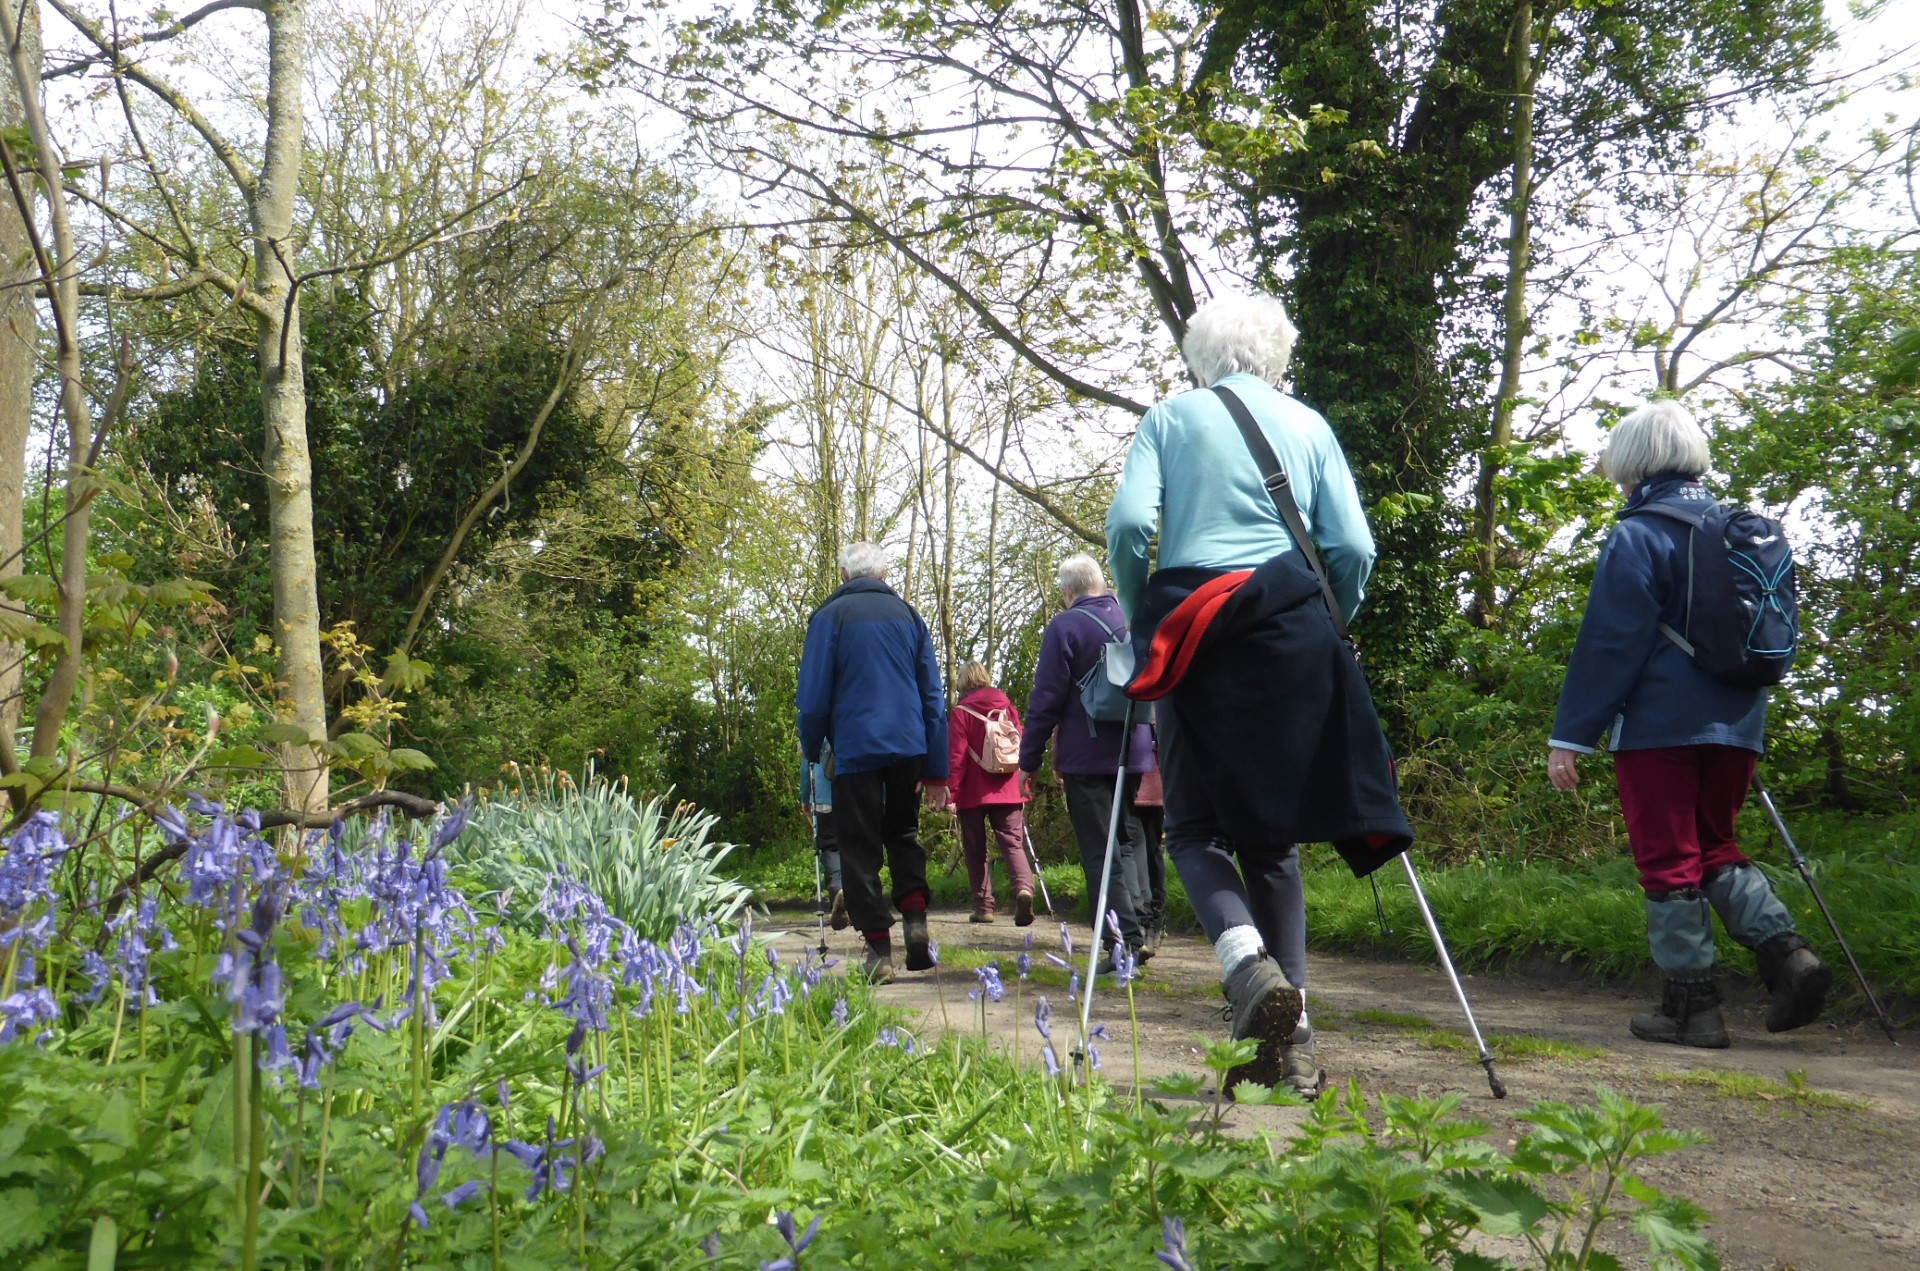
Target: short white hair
<point>1659,437</point>
<point>1232,334</point>
<point>1081,575</point>
<point>863,560</point>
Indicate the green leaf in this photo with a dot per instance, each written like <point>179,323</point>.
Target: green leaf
<point>354,747</point>
<point>23,1220</point>
<point>407,759</point>
<point>1502,1206</point>
<point>38,588</point>
<point>23,781</point>
<point>239,757</point>
<point>282,734</point>
<point>176,592</point>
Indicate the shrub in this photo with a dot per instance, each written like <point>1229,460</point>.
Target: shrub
<point>653,866</point>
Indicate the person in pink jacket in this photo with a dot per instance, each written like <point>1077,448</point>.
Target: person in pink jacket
<point>983,797</point>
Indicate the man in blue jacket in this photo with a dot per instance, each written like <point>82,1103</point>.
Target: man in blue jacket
<point>870,689</point>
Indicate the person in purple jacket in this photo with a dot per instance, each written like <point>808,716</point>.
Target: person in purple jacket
<point>1086,755</point>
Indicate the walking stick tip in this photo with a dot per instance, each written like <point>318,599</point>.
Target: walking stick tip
<point>1494,1083</point>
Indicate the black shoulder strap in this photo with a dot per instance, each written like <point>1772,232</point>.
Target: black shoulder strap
<point>1280,490</point>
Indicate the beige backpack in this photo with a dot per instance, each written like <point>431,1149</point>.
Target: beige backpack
<point>999,751</point>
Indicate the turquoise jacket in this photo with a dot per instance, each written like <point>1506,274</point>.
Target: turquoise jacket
<point>1190,478</point>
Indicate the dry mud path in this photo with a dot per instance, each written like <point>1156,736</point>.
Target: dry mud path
<point>1825,1177</point>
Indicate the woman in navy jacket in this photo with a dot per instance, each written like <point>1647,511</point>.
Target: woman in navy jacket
<point>1684,748</point>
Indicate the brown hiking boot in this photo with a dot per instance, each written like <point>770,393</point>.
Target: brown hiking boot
<point>980,916</point>
<point>1023,909</point>
<point>838,918</point>
<point>1689,1015</point>
<point>1798,980</point>
<point>879,962</point>
<point>1264,1007</point>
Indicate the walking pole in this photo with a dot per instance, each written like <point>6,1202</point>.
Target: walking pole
<point>1806,876</point>
<point>1494,1083</point>
<point>819,891</point>
<point>1379,909</point>
<point>1038,877</point>
<point>1106,874</point>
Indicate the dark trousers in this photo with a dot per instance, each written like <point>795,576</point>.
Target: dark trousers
<point>828,846</point>
<point>876,817</point>
<point>1090,808</point>
<point>1153,824</point>
<point>1231,884</point>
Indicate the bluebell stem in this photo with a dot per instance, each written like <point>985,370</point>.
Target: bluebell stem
<point>1174,1233</point>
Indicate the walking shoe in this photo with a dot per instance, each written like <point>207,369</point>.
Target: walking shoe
<point>1264,1007</point>
<point>919,957</point>
<point>838,918</point>
<point>879,962</point>
<point>1298,1071</point>
<point>1689,1015</point>
<point>979,915</point>
<point>1023,909</point>
<point>1798,980</point>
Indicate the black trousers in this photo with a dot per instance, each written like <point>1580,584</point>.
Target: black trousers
<point>1153,822</point>
<point>1090,807</point>
<point>876,817</point>
<point>1231,883</point>
<point>827,844</point>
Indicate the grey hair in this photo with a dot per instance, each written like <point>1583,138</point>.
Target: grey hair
<point>863,560</point>
<point>1081,575</point>
<point>1659,437</point>
<point>1231,334</point>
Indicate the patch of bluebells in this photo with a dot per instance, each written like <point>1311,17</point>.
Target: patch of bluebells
<point>28,904</point>
<point>796,1243</point>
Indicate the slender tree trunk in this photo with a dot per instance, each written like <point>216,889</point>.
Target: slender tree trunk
<point>18,346</point>
<point>283,393</point>
<point>1519,253</point>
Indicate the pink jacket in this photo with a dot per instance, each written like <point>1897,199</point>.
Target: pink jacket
<point>972,785</point>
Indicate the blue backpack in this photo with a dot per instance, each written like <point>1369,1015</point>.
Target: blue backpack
<point>1742,620</point>
<point>1103,699</point>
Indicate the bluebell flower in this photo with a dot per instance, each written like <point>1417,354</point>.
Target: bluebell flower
<point>456,821</point>
<point>1050,1059</point>
<point>1066,940</point>
<point>1043,1018</point>
<point>989,977</point>
<point>1024,963</point>
<point>458,1196</point>
<point>98,974</point>
<point>1174,1233</point>
<point>839,1016</point>
<point>419,1215</point>
<point>22,1012</point>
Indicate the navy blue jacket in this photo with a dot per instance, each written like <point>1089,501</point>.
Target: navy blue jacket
<point>1628,680</point>
<point>1068,651</point>
<point>869,683</point>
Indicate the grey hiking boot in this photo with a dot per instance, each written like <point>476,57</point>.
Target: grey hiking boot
<point>1798,980</point>
<point>1298,1071</point>
<point>1265,1008</point>
<point>919,956</point>
<point>1689,1015</point>
<point>879,962</point>
<point>838,918</point>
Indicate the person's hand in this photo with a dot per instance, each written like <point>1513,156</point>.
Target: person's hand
<point>806,809</point>
<point>936,796</point>
<point>1026,785</point>
<point>1561,770</point>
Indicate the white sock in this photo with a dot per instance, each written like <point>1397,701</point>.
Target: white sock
<point>1236,945</point>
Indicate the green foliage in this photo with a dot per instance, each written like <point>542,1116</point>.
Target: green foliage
<point>655,866</point>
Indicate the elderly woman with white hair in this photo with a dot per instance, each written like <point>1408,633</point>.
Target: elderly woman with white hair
<point>1267,733</point>
<point>1684,743</point>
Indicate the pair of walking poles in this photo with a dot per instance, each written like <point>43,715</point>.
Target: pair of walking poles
<point>1122,666</point>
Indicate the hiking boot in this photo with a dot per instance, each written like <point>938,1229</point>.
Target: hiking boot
<point>879,962</point>
<point>1298,1071</point>
<point>1689,1015</point>
<point>838,919</point>
<point>1798,980</point>
<point>919,956</point>
<point>1023,909</point>
<point>980,915</point>
<point>1265,1008</point>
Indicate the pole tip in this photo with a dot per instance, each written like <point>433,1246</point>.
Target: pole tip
<point>1494,1083</point>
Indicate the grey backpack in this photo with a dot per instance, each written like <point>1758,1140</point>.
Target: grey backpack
<point>1103,699</point>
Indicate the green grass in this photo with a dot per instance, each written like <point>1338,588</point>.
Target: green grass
<point>1794,1092</point>
<point>1514,1047</point>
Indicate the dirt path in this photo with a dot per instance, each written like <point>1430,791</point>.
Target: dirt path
<point>1813,1167</point>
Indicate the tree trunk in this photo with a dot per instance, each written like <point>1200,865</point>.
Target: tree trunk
<point>18,346</point>
<point>283,394</point>
<point>1514,314</point>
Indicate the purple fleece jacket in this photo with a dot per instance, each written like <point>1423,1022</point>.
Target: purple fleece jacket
<point>1067,652</point>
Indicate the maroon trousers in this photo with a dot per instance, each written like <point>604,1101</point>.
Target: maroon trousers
<point>1680,803</point>
<point>1009,822</point>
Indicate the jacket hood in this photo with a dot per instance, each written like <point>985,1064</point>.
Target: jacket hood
<point>987,699</point>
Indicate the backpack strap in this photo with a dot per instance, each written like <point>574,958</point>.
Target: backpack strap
<point>1111,636</point>
<point>976,714</point>
<point>1280,490</point>
<point>1693,521</point>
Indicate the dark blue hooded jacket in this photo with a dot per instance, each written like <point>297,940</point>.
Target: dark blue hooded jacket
<point>1627,680</point>
<point>869,683</point>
